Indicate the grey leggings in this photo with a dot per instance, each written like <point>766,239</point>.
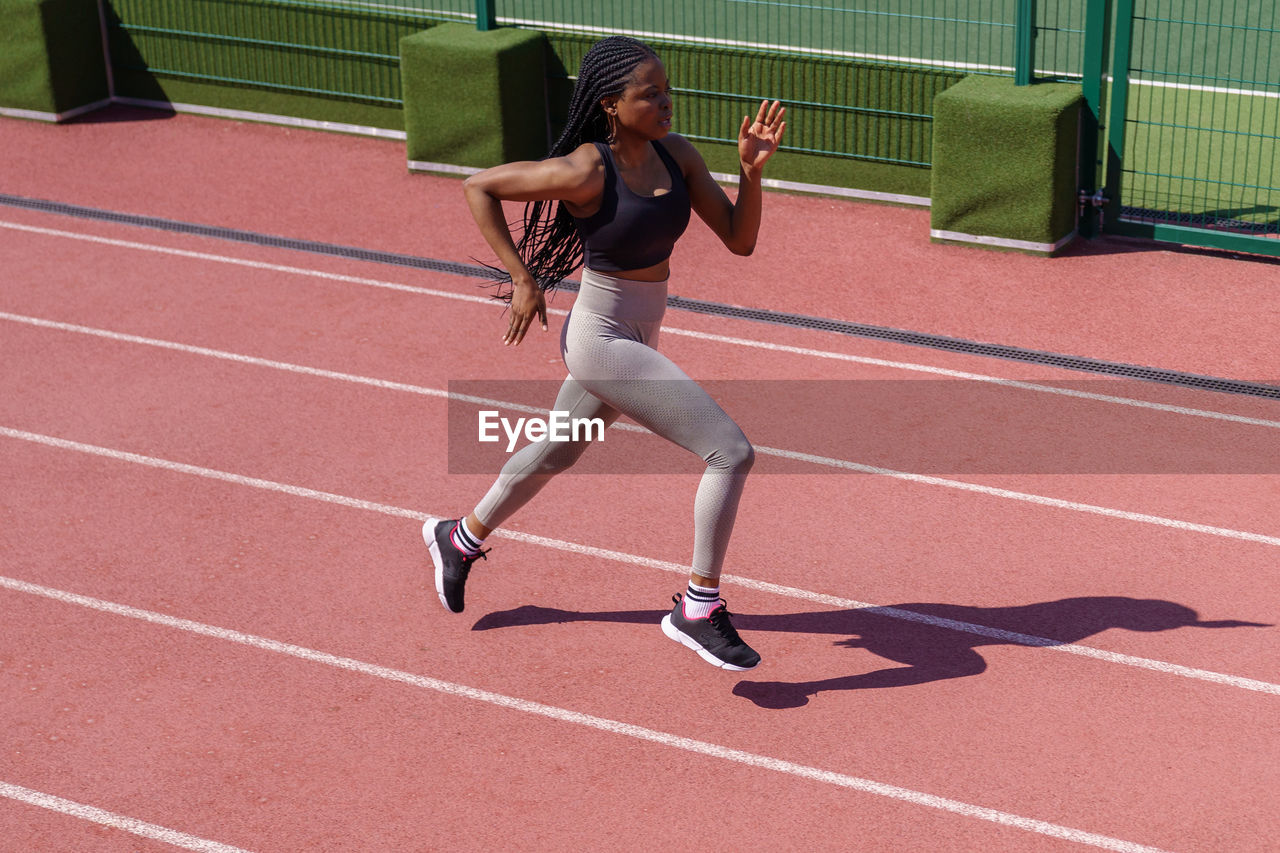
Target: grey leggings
<point>608,345</point>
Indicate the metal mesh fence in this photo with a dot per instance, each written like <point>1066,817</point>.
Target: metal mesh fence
<point>1202,128</point>
<point>975,36</point>
<point>859,74</point>
<point>874,112</point>
<point>343,50</point>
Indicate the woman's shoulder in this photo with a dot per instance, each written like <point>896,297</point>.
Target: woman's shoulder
<point>677,145</point>
<point>581,164</point>
<point>586,154</point>
<point>583,169</point>
<point>684,153</point>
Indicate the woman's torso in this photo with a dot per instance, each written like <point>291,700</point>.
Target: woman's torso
<point>632,233</point>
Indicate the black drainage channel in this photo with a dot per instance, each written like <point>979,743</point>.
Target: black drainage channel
<point>238,236</point>
<point>697,306</point>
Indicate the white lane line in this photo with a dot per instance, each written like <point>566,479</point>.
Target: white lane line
<point>1040,500</point>
<point>671,330</point>
<point>649,562</point>
<point>782,453</point>
<point>564,715</point>
<point>106,818</point>
<point>981,377</point>
<point>243,262</point>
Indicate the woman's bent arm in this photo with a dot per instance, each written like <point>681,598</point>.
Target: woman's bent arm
<point>571,179</point>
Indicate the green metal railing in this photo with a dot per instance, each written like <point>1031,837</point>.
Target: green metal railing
<point>836,108</point>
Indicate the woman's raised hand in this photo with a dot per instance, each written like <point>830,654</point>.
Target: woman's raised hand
<point>757,140</point>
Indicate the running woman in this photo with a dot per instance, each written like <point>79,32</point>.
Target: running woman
<point>623,186</point>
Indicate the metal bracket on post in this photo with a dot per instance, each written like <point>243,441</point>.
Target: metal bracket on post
<point>1097,200</point>
<point>1092,115</point>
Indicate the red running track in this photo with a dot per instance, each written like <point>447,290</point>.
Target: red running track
<point>219,620</point>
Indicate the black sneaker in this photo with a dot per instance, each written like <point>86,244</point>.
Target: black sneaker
<point>452,566</point>
<point>713,638</point>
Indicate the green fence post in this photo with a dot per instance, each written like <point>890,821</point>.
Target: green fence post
<point>1097,34</point>
<point>1121,51</point>
<point>486,15</point>
<point>1024,43</point>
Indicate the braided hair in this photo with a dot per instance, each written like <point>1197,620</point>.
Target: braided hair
<point>549,244</point>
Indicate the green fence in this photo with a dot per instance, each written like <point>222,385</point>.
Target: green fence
<point>1191,131</point>
<point>320,59</point>
<point>836,108</point>
<point>1186,93</point>
<point>860,76</point>
<point>1202,119</point>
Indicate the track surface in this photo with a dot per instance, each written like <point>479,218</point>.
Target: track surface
<point>220,629</point>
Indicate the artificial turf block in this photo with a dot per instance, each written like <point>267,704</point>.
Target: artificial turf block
<point>51,57</point>
<point>1004,163</point>
<point>474,98</point>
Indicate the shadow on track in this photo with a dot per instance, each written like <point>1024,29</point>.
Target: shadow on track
<point>932,642</point>
<point>124,113</point>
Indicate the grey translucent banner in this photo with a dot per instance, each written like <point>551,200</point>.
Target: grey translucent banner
<point>942,427</point>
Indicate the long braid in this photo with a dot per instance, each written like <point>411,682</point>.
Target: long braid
<point>549,244</point>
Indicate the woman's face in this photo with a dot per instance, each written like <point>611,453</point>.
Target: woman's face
<point>644,107</point>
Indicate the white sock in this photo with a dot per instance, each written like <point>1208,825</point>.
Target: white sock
<point>699,601</point>
<point>464,540</point>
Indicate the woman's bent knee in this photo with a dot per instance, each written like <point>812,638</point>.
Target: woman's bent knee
<point>736,455</point>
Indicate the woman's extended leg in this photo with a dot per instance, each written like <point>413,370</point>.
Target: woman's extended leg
<point>533,466</point>
<point>652,390</point>
<point>456,544</point>
<point>609,346</point>
<point>649,388</point>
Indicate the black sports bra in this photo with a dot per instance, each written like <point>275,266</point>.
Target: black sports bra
<point>630,231</point>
